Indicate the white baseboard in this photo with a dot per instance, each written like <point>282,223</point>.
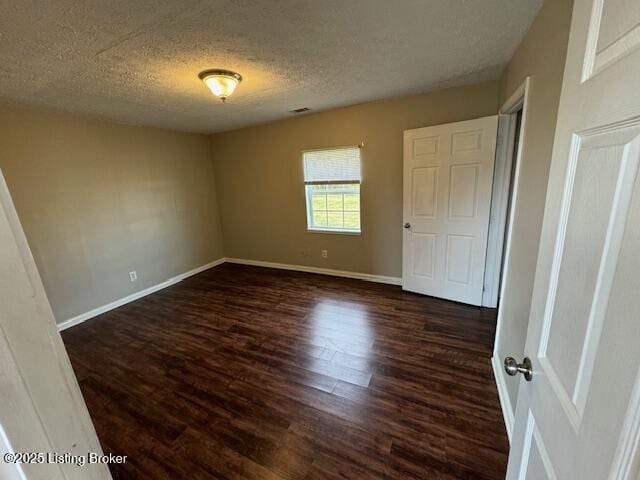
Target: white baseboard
<point>503,395</point>
<point>324,271</point>
<point>178,278</point>
<point>134,296</point>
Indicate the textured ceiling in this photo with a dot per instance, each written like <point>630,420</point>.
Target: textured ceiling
<point>137,61</point>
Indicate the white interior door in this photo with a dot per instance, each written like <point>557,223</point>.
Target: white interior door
<point>41,408</point>
<point>448,174</point>
<point>579,418</point>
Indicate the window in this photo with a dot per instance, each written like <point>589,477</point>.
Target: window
<point>332,186</point>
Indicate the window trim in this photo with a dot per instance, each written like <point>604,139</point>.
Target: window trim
<point>353,233</point>
<point>337,147</point>
<point>329,230</point>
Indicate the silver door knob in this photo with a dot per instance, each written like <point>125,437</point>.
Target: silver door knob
<point>512,367</point>
<point>407,225</point>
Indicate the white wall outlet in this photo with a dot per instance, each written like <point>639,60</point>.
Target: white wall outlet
<point>133,276</point>
<point>324,254</point>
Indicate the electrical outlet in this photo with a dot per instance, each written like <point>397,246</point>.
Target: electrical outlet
<point>324,254</point>
<point>133,276</point>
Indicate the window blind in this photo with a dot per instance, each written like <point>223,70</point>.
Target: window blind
<point>338,165</point>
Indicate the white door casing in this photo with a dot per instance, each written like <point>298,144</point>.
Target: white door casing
<point>579,418</point>
<point>499,206</point>
<point>41,407</point>
<point>448,175</point>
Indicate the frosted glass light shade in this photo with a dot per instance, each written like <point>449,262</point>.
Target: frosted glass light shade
<point>222,83</point>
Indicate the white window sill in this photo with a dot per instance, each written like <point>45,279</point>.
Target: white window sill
<point>338,232</point>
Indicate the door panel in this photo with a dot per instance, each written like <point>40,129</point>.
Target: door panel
<point>466,141</point>
<point>613,32</point>
<point>41,407</point>
<point>584,325</point>
<point>424,245</point>
<point>459,257</point>
<point>596,205</point>
<point>448,174</point>
<point>425,146</point>
<point>463,191</point>
<point>536,464</point>
<point>425,190</point>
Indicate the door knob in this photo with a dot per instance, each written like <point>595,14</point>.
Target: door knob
<point>407,225</point>
<point>512,367</point>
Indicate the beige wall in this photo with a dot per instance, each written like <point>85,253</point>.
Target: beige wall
<point>260,183</point>
<point>98,200</point>
<point>541,55</point>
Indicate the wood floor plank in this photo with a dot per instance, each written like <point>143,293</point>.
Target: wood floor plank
<point>253,373</point>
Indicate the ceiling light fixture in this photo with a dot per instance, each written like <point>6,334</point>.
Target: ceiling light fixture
<point>222,83</point>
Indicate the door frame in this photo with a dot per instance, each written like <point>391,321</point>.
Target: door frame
<point>499,247</point>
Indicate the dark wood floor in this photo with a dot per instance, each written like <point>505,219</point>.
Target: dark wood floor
<point>252,373</point>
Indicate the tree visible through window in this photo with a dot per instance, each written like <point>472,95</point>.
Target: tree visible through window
<point>332,185</point>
